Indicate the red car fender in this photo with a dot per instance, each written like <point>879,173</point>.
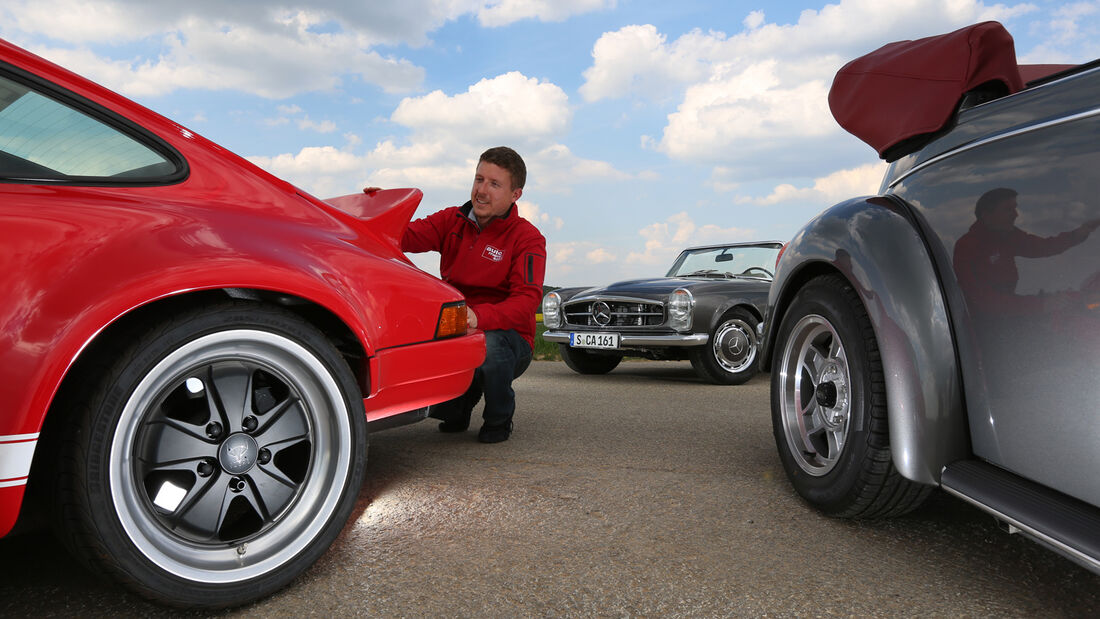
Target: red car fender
<point>60,297</point>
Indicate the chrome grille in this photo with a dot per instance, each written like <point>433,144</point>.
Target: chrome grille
<point>623,313</point>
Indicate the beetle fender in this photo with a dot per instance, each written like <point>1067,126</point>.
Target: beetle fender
<point>874,244</point>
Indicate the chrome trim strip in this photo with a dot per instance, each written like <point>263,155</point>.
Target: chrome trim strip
<point>1068,551</point>
<point>16,454</point>
<point>992,139</point>
<point>598,297</point>
<point>689,339</point>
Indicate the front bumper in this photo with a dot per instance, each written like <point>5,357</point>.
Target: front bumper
<point>640,341</point>
<point>410,377</point>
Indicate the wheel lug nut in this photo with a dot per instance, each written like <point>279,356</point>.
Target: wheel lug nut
<point>249,423</point>
<point>205,469</point>
<point>236,484</point>
<point>264,456</point>
<point>213,429</point>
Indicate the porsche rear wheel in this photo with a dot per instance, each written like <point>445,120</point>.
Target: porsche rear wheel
<point>216,459</point>
<point>584,362</point>
<point>828,400</point>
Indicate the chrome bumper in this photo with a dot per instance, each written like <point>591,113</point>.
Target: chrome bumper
<point>687,339</point>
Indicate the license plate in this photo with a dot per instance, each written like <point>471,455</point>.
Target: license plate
<point>594,340</point>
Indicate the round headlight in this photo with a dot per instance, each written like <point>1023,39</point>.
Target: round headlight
<point>551,310</point>
<point>680,304</point>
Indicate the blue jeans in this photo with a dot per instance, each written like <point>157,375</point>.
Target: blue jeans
<point>507,356</point>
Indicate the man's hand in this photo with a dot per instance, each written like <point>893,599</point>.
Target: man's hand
<point>471,318</point>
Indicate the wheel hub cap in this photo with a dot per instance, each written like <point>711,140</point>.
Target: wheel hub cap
<point>737,344</point>
<point>734,349</point>
<point>238,453</point>
<point>832,395</point>
<point>826,395</point>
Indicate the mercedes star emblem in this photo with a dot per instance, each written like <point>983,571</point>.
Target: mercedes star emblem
<point>601,313</point>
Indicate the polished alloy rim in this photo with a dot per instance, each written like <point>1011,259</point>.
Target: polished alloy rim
<point>230,457</point>
<point>815,401</point>
<point>734,345</point>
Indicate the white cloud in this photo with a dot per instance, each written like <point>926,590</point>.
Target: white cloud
<point>507,108</point>
<point>830,189</point>
<point>555,169</point>
<point>324,126</point>
<point>242,59</point>
<point>303,121</point>
<point>753,107</point>
<point>762,93</point>
<point>407,22</point>
<point>599,256</point>
<point>544,221</point>
<point>1069,36</point>
<point>446,134</point>
<point>322,170</point>
<point>754,20</point>
<point>252,46</point>
<point>504,12</point>
<point>589,263</point>
<point>637,60</point>
<point>665,239</point>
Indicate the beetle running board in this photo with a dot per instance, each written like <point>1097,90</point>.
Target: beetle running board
<point>1065,525</point>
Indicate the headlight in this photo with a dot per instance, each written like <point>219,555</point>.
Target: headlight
<point>680,304</point>
<point>551,310</point>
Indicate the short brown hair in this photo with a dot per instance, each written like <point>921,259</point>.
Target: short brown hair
<point>509,160</point>
<point>992,199</point>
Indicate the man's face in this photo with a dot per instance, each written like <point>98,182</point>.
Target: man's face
<point>1003,216</point>
<point>492,193</point>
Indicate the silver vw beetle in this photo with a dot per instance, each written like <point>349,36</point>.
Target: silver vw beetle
<point>946,332</point>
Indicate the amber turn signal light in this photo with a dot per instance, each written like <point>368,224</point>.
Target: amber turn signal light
<point>452,320</point>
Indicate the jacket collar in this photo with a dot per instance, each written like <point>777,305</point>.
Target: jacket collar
<point>468,208</point>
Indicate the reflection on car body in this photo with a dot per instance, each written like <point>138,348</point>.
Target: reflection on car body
<point>706,309</point>
<point>948,327</point>
<point>190,348</point>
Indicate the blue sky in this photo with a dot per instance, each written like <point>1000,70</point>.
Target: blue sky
<point>646,126</point>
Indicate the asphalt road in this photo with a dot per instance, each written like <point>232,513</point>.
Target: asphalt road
<point>644,492</point>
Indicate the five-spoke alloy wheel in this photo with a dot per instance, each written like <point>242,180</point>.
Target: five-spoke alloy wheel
<point>218,458</point>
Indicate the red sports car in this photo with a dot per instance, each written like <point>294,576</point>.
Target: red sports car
<point>192,350</point>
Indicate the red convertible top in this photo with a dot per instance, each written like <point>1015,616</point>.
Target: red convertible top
<point>907,89</point>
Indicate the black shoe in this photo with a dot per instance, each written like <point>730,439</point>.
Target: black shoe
<point>454,426</point>
<point>495,434</point>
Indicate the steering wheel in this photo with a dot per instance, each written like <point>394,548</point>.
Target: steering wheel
<point>761,269</point>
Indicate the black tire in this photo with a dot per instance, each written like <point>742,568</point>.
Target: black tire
<point>828,400</point>
<point>584,362</point>
<point>729,357</point>
<point>215,457</point>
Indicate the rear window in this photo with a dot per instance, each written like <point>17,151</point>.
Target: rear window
<point>45,139</point>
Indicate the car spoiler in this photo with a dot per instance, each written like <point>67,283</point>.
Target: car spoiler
<point>387,211</point>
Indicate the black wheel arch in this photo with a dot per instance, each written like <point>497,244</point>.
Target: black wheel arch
<point>88,362</point>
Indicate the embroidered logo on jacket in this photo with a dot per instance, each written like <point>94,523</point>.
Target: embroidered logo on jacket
<point>492,253</point>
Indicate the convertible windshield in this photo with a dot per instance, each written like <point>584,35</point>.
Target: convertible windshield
<point>724,262</point>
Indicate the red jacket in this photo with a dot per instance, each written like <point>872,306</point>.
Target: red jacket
<point>985,263</point>
<point>499,269</point>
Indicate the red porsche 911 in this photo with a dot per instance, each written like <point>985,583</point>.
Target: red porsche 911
<point>192,350</point>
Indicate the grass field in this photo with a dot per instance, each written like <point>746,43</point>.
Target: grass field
<point>546,351</point>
